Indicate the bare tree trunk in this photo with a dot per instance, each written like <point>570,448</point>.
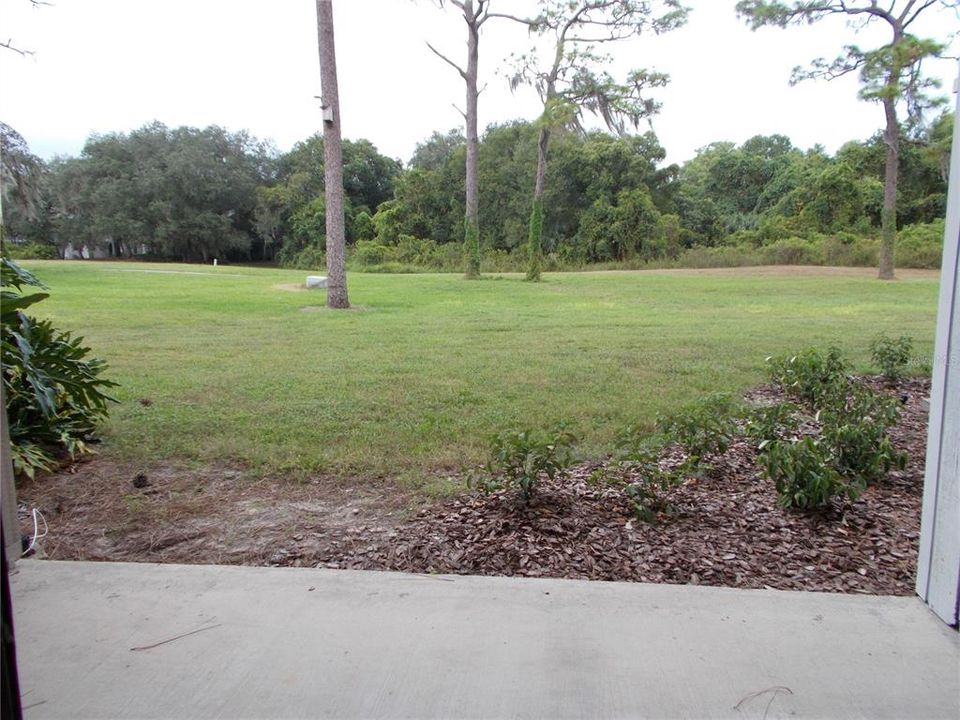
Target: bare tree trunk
<point>535,242</point>
<point>333,159</point>
<point>888,216</point>
<point>472,219</point>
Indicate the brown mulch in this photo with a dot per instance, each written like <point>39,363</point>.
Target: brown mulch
<point>728,529</point>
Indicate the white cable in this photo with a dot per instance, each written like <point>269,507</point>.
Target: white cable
<point>36,530</point>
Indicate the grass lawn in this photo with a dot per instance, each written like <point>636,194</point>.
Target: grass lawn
<point>239,366</point>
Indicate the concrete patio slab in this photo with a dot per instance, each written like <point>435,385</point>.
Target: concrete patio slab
<point>304,643</point>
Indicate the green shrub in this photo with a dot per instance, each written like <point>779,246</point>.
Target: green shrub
<point>810,375</point>
<point>804,475</point>
<point>891,355</point>
<point>701,428</point>
<point>520,457</point>
<point>32,251</point>
<point>845,249</point>
<point>55,395</point>
<point>311,257</point>
<point>920,245</point>
<point>766,424</point>
<point>645,483</point>
<point>791,251</point>
<point>370,252</point>
<point>854,429</point>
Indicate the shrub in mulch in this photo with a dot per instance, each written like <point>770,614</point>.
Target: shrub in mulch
<point>726,527</point>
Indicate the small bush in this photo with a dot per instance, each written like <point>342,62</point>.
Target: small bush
<point>766,424</point>
<point>854,429</point>
<point>810,375</point>
<point>701,428</point>
<point>520,457</point>
<point>636,470</point>
<point>892,355</point>
<point>791,251</point>
<point>804,474</point>
<point>645,483</point>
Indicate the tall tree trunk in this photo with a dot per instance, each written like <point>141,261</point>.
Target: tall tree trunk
<point>333,159</point>
<point>535,243</point>
<point>888,216</point>
<point>471,248</point>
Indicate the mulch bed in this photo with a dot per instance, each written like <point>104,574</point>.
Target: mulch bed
<point>728,528</point>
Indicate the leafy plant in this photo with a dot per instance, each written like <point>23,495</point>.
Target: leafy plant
<point>810,375</point>
<point>702,428</point>
<point>768,423</point>
<point>644,481</point>
<point>804,474</point>
<point>55,395</point>
<point>892,355</point>
<point>520,457</point>
<point>855,430</point>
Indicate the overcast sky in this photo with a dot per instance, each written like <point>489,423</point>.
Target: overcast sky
<point>114,65</point>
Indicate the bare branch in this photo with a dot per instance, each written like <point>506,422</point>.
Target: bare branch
<point>9,46</point>
<point>906,23</point>
<point>455,107</point>
<point>447,60</point>
<point>530,22</point>
<point>608,38</point>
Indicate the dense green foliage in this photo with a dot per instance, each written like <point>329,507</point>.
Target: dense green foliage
<point>610,201</point>
<point>54,394</point>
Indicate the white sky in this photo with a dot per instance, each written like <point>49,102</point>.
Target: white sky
<point>114,65</point>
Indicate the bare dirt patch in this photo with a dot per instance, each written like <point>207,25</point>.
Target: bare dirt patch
<point>324,308</point>
<point>728,529</point>
<point>293,287</point>
<point>105,510</point>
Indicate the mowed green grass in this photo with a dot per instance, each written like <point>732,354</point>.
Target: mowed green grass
<point>238,368</point>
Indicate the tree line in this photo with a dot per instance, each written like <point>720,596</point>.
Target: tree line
<point>193,195</point>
